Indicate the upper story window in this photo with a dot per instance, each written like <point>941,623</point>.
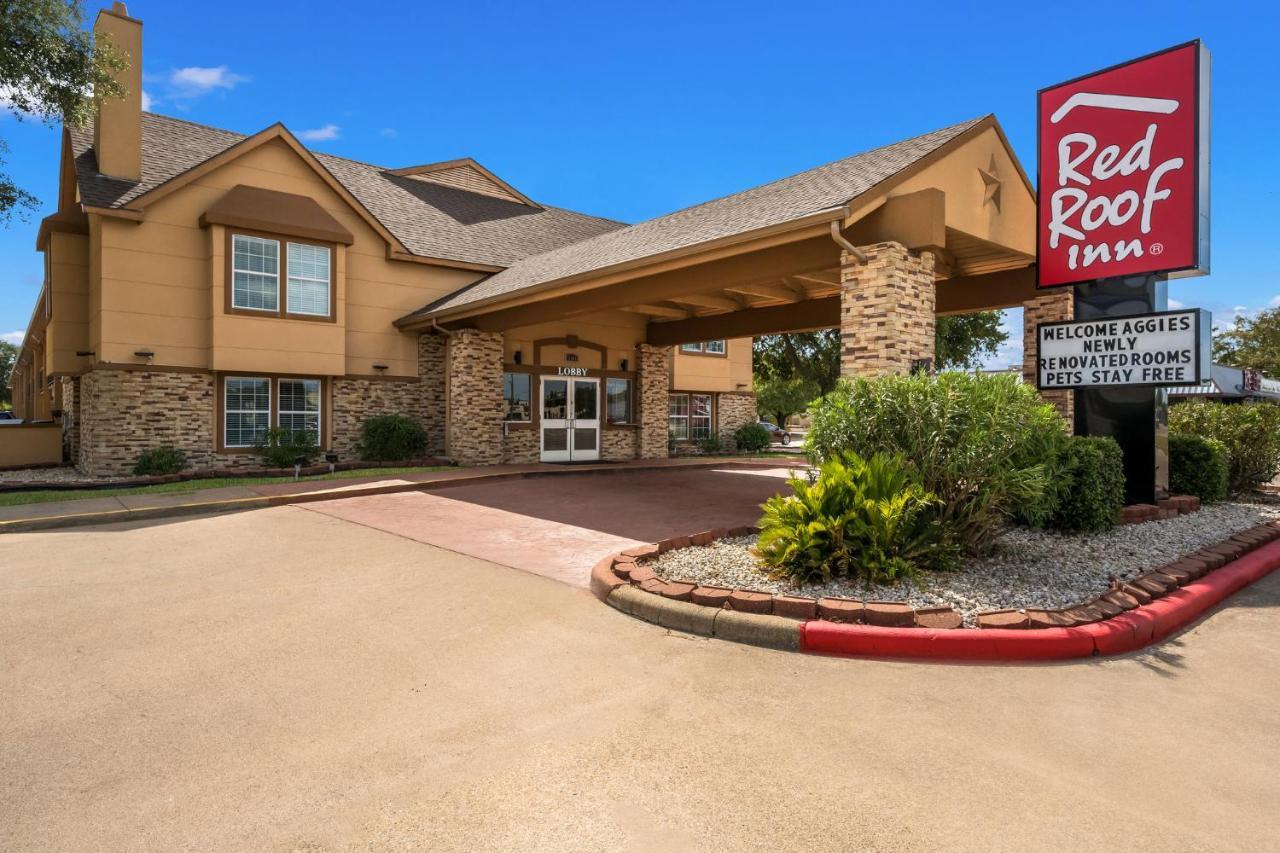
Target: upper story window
<point>256,274</point>
<point>705,347</point>
<point>308,279</point>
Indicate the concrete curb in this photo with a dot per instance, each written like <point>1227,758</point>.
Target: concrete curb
<point>55,522</point>
<point>771,632</point>
<point>1189,588</point>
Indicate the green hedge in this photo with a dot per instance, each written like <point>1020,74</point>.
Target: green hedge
<point>752,438</point>
<point>983,445</point>
<point>1088,485</point>
<point>281,447</point>
<point>1198,466</point>
<point>392,438</point>
<point>1250,431</point>
<point>159,461</point>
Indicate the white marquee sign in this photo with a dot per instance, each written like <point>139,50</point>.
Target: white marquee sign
<point>1166,348</point>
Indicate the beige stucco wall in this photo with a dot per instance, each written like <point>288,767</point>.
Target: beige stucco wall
<point>619,331</point>
<point>1012,223</point>
<point>68,329</point>
<point>730,372</point>
<point>23,444</point>
<point>161,286</point>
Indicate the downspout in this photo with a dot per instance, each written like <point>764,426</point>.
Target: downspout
<point>843,242</point>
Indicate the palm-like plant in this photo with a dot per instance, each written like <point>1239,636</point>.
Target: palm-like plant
<point>859,518</point>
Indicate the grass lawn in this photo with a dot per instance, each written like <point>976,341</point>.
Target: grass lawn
<point>46,496</point>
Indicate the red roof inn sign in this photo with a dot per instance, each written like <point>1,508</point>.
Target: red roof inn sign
<point>1124,170</point>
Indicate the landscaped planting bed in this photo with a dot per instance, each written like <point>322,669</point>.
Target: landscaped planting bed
<point>1032,569</point>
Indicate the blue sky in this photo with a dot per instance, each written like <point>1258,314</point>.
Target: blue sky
<point>633,110</point>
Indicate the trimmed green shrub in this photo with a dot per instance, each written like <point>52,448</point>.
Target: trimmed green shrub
<point>1088,485</point>
<point>1251,432</point>
<point>158,461</point>
<point>860,518</point>
<point>710,444</point>
<point>752,438</point>
<point>1198,466</point>
<point>281,447</point>
<point>392,438</point>
<point>982,444</point>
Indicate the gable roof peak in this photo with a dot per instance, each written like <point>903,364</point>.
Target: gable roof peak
<point>465,173</point>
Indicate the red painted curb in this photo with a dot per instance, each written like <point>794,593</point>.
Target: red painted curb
<point>1127,632</point>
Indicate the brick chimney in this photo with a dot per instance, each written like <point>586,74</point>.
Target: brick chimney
<point>117,130</point>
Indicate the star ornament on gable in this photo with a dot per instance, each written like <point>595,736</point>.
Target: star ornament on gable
<point>990,184</point>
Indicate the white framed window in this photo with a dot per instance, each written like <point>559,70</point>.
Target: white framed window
<point>246,405</point>
<point>298,407</point>
<point>699,416</point>
<point>707,347</point>
<point>678,416</point>
<point>308,283</point>
<point>618,401</point>
<point>255,273</point>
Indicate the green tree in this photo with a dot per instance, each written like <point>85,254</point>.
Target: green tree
<point>8,356</point>
<point>49,71</point>
<point>960,342</point>
<point>810,356</point>
<point>1252,342</point>
<point>782,398</point>
<point>963,341</point>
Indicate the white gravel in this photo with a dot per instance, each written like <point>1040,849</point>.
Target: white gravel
<point>61,474</point>
<point>1030,569</point>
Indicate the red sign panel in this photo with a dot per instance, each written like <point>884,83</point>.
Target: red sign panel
<point>1124,179</point>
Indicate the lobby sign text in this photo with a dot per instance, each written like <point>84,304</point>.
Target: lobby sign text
<point>1124,178</point>
<point>1167,348</point>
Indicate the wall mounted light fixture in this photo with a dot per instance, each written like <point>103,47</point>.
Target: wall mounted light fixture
<point>144,353</point>
<point>380,367</point>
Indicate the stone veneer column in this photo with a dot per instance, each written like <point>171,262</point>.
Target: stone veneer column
<point>71,418</point>
<point>474,397</point>
<point>655,388</point>
<point>734,410</point>
<point>886,310</point>
<point>432,361</point>
<point>1053,306</point>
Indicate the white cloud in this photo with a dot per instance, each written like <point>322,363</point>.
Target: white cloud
<point>180,85</point>
<point>1275,301</point>
<point>14,338</point>
<point>392,133</point>
<point>1175,304</point>
<point>195,80</point>
<point>320,134</point>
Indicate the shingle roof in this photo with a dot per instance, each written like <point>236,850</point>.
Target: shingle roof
<point>775,203</point>
<point>431,220</point>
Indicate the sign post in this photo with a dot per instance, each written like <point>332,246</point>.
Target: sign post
<point>1123,195</point>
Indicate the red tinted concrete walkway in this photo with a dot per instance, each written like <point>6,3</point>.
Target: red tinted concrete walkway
<point>559,527</point>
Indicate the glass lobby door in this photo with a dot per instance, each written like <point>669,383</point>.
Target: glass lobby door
<point>570,422</point>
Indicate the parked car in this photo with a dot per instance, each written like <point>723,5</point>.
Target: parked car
<point>8,417</point>
<point>776,433</point>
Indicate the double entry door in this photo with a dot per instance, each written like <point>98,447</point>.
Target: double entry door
<point>570,421</point>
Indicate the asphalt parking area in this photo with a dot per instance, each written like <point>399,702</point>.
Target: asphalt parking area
<point>560,526</point>
<point>284,680</point>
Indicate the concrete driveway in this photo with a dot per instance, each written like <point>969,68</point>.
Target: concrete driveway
<point>561,526</point>
<point>286,680</point>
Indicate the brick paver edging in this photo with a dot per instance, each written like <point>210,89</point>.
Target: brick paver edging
<point>1128,617</point>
